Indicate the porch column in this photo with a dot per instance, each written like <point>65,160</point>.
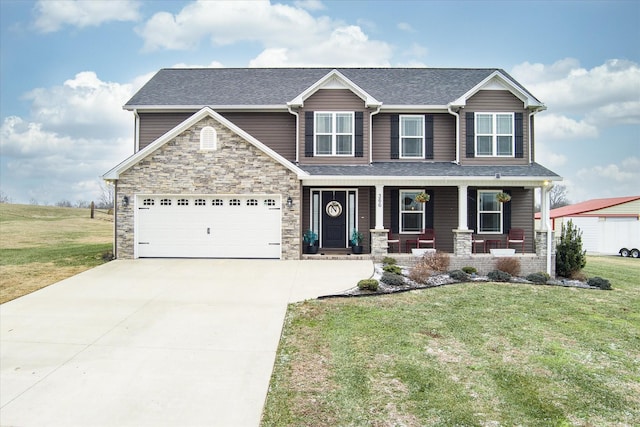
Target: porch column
<point>462,207</point>
<point>544,236</point>
<point>379,206</point>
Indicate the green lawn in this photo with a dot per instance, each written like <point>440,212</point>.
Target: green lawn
<point>40,245</point>
<point>468,354</point>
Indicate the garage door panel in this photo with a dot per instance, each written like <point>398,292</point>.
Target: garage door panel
<point>245,226</point>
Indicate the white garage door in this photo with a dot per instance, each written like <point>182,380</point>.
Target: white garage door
<point>208,226</point>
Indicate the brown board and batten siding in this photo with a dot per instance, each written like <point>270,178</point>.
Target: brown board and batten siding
<point>334,100</point>
<point>494,101</point>
<point>444,138</point>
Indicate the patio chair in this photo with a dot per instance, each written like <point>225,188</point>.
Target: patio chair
<point>393,240</point>
<point>427,237</point>
<point>516,235</point>
<point>477,240</point>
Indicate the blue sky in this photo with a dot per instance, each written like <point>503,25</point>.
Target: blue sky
<point>66,69</point>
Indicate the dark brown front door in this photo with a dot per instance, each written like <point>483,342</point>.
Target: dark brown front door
<point>334,219</point>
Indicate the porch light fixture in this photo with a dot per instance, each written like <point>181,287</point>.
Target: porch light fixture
<point>289,202</point>
<point>125,201</point>
<point>498,176</point>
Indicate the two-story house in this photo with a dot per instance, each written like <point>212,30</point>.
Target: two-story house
<point>241,162</point>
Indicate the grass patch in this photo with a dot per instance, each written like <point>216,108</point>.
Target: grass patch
<point>41,245</point>
<point>472,354</point>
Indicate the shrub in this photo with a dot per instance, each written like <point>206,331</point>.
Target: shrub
<point>392,269</point>
<point>470,270</point>
<point>459,275</point>
<point>599,282</point>
<point>420,273</point>
<point>508,265</point>
<point>499,276</point>
<point>392,279</point>
<point>389,260</point>
<point>578,275</point>
<point>570,257</point>
<point>368,285</point>
<point>539,278</point>
<point>436,261</point>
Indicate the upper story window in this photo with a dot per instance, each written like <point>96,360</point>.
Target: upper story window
<point>208,138</point>
<point>489,212</point>
<point>412,213</point>
<point>494,134</point>
<point>411,137</point>
<point>334,134</point>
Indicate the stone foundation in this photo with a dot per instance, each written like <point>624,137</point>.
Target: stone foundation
<point>379,245</point>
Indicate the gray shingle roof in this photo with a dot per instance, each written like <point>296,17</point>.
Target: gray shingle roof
<point>428,169</point>
<point>277,86</point>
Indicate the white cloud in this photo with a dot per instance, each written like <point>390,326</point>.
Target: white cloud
<point>346,46</point>
<point>605,95</point>
<point>550,159</point>
<point>309,4</point>
<point>77,131</point>
<point>289,35</point>
<point>557,127</point>
<point>52,15</point>
<point>610,180</point>
<point>82,106</point>
<point>404,26</point>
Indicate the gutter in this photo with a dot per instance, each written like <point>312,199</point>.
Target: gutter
<point>371,132</point>
<point>457,116</point>
<point>297,133</point>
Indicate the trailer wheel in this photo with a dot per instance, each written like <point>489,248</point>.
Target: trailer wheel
<point>635,253</point>
<point>624,252</point>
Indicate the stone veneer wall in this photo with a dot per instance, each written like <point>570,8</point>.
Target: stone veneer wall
<point>236,167</point>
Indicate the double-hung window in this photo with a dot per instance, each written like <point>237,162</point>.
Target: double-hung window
<point>489,212</point>
<point>412,213</point>
<point>334,134</point>
<point>412,137</point>
<point>494,134</point>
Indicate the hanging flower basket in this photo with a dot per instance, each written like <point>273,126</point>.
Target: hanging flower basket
<point>422,197</point>
<point>503,197</point>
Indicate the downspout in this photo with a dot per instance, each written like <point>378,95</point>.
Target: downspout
<point>531,114</point>
<point>136,131</point>
<point>297,133</point>
<point>457,116</point>
<point>549,229</point>
<point>371,132</point>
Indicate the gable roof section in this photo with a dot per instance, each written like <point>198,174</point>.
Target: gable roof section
<point>259,88</point>
<point>588,206</point>
<point>499,80</point>
<point>335,80</point>
<point>114,173</point>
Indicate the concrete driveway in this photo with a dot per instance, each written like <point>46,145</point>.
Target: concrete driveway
<point>154,342</point>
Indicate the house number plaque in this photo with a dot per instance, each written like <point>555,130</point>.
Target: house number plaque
<point>334,208</point>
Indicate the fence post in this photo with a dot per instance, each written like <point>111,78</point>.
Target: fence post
<point>93,206</point>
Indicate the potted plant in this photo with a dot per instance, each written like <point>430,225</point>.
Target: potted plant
<point>503,197</point>
<point>356,240</point>
<point>310,238</point>
<point>422,197</point>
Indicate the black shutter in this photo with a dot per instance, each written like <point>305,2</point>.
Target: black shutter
<point>471,150</point>
<point>308,134</point>
<point>395,210</point>
<point>472,209</point>
<point>519,135</point>
<point>506,215</point>
<point>395,136</point>
<point>428,136</point>
<point>359,151</point>
<point>429,209</point>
